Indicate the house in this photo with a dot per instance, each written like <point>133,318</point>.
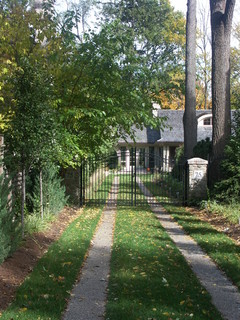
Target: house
<point>156,147</point>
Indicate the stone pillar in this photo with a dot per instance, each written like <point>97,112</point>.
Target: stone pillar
<point>197,179</point>
<point>1,153</point>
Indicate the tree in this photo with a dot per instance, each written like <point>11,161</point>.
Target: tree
<point>8,223</point>
<point>79,11</point>
<point>104,89</point>
<point>159,38</point>
<point>32,135</point>
<point>221,24</point>
<point>189,119</point>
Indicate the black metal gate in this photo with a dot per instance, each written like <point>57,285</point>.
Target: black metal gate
<point>133,167</point>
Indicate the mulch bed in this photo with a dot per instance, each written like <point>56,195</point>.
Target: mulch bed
<point>16,268</point>
<point>219,222</point>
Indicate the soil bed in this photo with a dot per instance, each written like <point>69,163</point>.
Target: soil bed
<point>219,222</point>
<point>15,269</point>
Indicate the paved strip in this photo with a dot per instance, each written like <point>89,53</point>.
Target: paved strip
<point>90,294</point>
<point>225,296</point>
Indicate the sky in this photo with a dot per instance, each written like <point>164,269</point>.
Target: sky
<point>181,5</point>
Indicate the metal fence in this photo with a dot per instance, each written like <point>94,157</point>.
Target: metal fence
<point>93,180</point>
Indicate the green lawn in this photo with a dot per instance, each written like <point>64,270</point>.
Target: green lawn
<point>150,279</point>
<point>216,244</point>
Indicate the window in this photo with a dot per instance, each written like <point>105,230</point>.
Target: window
<point>207,122</point>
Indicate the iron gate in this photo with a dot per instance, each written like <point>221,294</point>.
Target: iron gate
<point>163,179</point>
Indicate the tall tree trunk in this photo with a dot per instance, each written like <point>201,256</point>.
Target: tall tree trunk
<point>41,193</point>
<point>221,24</point>
<point>189,119</point>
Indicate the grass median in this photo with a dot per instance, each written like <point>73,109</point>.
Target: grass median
<point>149,278</point>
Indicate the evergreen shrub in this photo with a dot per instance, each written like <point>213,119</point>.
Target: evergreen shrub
<point>54,197</point>
<point>9,231</point>
<point>228,189</point>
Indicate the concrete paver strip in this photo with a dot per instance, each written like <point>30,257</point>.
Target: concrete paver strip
<point>225,296</point>
<point>90,294</point>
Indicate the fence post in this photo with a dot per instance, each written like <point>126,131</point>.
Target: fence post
<point>132,177</point>
<point>81,185</point>
<point>196,179</point>
<point>135,178</point>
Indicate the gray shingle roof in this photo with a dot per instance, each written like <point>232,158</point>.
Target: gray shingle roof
<point>147,135</point>
<point>173,132</point>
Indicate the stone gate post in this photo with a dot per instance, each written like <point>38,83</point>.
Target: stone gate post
<point>197,179</point>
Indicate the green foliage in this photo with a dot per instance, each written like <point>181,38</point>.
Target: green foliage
<point>159,38</point>
<point>95,88</point>
<point>34,223</point>
<point>203,149</point>
<point>54,197</point>
<point>107,89</point>
<point>229,211</point>
<point>178,163</point>
<point>32,133</point>
<point>179,154</point>
<point>228,189</point>
<point>9,233</point>
<point>45,292</point>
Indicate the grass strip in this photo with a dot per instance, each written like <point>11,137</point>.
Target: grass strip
<point>216,244</point>
<point>44,294</point>
<point>150,279</point>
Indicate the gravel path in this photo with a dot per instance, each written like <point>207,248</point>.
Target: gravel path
<point>225,295</point>
<point>90,294</point>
